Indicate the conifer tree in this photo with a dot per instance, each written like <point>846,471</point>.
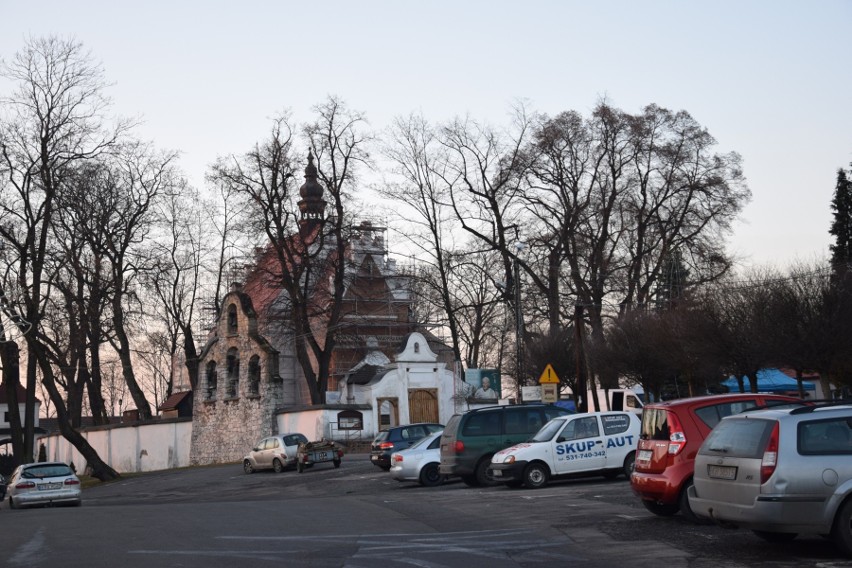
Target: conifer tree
<point>841,225</point>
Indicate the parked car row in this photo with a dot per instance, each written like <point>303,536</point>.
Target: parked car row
<point>523,445</point>
<point>779,472</point>
<point>671,434</point>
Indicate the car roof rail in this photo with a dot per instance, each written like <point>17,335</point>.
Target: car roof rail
<point>815,404</point>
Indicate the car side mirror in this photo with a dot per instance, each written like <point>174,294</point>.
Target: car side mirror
<point>255,449</point>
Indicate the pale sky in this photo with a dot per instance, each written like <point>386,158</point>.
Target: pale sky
<point>768,79</point>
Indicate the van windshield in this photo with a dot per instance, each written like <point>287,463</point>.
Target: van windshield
<point>549,430</point>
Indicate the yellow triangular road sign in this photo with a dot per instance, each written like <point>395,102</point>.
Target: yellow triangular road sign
<point>548,376</point>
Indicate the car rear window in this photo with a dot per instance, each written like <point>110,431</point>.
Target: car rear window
<point>296,439</point>
<point>825,437</point>
<point>738,438</point>
<point>655,424</point>
<point>381,437</point>
<point>51,470</point>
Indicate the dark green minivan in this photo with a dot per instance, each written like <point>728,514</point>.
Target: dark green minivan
<point>470,439</point>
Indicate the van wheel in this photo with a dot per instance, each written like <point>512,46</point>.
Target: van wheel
<point>535,476</point>
<point>778,537</point>
<point>629,465</point>
<point>661,509</point>
<point>841,531</point>
<point>482,476</point>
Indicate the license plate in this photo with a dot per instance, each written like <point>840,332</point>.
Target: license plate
<point>496,473</point>
<point>321,456</point>
<point>49,486</point>
<point>374,458</point>
<point>722,472</point>
<point>644,455</point>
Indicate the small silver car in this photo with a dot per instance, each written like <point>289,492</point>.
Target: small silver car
<point>275,453</point>
<point>44,483</point>
<point>420,462</point>
<point>779,473</point>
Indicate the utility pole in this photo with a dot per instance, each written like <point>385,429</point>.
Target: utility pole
<point>519,326</point>
<point>519,323</point>
<point>581,390</point>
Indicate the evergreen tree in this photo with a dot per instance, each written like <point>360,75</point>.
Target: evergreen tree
<point>841,226</point>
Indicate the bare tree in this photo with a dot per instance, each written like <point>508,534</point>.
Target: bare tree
<point>52,123</point>
<point>307,243</point>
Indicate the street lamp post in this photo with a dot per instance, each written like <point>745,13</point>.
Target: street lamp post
<point>519,323</point>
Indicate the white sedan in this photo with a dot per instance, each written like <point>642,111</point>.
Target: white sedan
<point>44,483</point>
<point>420,462</point>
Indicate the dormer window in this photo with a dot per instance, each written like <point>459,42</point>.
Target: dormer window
<point>417,347</point>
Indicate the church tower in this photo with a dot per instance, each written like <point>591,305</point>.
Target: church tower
<point>312,205</point>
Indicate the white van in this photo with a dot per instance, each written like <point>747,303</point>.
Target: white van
<point>598,443</point>
<point>614,399</point>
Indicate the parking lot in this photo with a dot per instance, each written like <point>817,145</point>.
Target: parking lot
<point>358,516</point>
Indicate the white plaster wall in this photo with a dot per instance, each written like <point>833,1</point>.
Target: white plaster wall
<point>397,383</point>
<point>308,422</point>
<point>127,449</point>
<point>317,424</point>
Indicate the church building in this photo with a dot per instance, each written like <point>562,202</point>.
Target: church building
<point>385,368</point>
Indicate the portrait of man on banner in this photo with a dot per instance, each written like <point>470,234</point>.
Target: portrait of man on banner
<point>482,384</point>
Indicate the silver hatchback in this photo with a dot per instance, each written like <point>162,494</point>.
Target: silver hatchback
<point>779,473</point>
<point>275,453</point>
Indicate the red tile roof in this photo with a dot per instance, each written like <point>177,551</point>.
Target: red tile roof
<point>173,401</point>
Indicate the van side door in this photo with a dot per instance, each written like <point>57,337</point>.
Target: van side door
<point>580,446</point>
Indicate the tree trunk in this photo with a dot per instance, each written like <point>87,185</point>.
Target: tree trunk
<point>124,355</point>
<point>99,468</point>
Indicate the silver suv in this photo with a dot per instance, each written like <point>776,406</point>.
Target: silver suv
<point>779,473</point>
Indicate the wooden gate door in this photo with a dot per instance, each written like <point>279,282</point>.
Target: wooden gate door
<point>423,405</point>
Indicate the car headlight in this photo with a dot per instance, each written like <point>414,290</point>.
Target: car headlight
<point>509,459</point>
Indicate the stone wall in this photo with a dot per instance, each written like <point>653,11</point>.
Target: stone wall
<point>228,424</point>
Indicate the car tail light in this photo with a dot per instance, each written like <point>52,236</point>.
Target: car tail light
<point>677,438</point>
<point>770,456</point>
<point>459,446</point>
<point>340,453</point>
<point>25,485</point>
<point>397,458</point>
<point>386,445</point>
<point>72,482</point>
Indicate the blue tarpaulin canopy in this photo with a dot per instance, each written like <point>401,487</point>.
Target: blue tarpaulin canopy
<point>769,380</point>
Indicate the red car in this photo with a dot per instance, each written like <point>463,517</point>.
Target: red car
<point>671,434</point>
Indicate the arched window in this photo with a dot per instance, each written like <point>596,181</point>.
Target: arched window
<point>233,373</point>
<point>254,375</point>
<point>388,412</point>
<point>350,420</point>
<point>212,380</point>
<point>232,318</point>
<point>417,347</point>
